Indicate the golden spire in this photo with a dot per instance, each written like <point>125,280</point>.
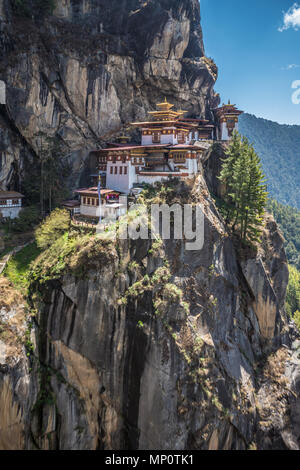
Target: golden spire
<point>165,106</point>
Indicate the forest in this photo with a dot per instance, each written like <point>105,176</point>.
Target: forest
<point>278,147</point>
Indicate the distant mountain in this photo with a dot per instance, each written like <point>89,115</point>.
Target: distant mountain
<point>288,220</point>
<point>278,146</point>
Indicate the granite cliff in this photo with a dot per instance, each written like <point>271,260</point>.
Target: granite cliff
<point>144,345</point>
<point>83,73</point>
<point>135,344</point>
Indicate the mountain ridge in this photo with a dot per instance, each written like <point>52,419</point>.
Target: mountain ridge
<point>278,146</point>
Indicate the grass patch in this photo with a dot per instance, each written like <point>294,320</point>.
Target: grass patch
<point>18,267</point>
<point>74,253</point>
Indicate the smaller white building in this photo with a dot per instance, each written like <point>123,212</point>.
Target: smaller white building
<point>10,204</point>
<point>110,207</point>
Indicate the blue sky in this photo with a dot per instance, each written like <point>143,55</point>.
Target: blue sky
<point>256,47</point>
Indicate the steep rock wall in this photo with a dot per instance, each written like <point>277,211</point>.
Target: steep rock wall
<point>202,359</point>
<point>84,73</point>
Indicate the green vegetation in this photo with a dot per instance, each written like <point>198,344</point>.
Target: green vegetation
<point>55,225</point>
<point>45,183</point>
<point>164,293</point>
<point>288,220</point>
<point>246,197</point>
<point>293,295</point>
<point>33,8</point>
<point>17,269</point>
<point>72,252</point>
<point>278,147</point>
<point>28,218</point>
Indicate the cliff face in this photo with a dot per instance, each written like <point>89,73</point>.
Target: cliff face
<point>82,74</point>
<point>152,346</point>
<point>147,345</point>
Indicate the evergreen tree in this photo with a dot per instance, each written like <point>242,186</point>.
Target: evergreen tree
<point>232,154</point>
<point>246,194</point>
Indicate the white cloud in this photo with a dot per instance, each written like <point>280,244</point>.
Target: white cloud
<point>291,67</point>
<point>291,18</point>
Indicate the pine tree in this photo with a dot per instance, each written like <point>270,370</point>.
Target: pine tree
<point>246,194</point>
<point>232,154</point>
<point>255,198</point>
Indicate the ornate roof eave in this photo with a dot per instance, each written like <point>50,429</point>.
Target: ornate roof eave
<point>164,124</point>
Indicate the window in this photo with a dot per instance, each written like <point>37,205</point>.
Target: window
<point>88,201</point>
<point>124,159</point>
<point>116,170</point>
<point>93,201</point>
<point>125,170</point>
<point>181,137</point>
<point>84,200</point>
<point>179,158</point>
<point>3,202</point>
<point>156,138</point>
<point>111,170</point>
<point>114,159</point>
<point>121,170</point>
<point>15,201</point>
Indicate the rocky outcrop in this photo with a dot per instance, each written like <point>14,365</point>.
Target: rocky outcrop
<point>84,73</point>
<point>15,392</point>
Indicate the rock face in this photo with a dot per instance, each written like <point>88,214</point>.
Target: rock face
<point>84,73</point>
<point>155,346</point>
<point>165,348</point>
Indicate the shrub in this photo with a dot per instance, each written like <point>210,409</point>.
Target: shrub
<point>297,318</point>
<point>27,220</point>
<point>293,292</point>
<point>55,225</point>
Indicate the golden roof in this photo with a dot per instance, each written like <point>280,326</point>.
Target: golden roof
<point>165,106</point>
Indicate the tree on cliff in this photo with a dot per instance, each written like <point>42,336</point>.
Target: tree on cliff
<point>54,171</point>
<point>246,195</point>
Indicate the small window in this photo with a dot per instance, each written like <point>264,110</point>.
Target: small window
<point>121,170</point>
<point>116,170</point>
<point>88,201</point>
<point>156,138</point>
<point>3,202</point>
<point>181,138</point>
<point>111,170</point>
<point>125,170</point>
